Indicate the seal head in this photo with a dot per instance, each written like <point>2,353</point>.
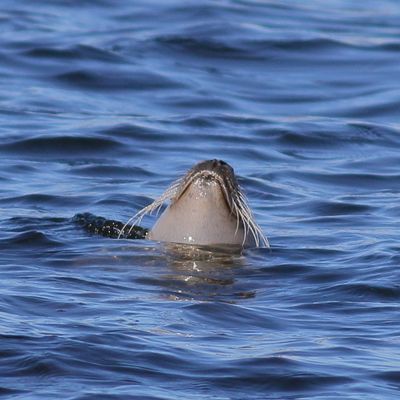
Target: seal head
<point>207,207</point>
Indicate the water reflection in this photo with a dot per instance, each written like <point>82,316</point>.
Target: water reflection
<point>204,273</point>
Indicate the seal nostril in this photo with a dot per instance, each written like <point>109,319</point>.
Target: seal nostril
<point>218,163</point>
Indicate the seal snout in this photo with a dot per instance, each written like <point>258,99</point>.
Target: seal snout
<point>214,166</point>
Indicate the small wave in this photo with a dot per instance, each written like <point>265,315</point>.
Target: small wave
<point>111,171</point>
<point>136,132</point>
<point>329,208</point>
<point>296,45</point>
<point>256,49</point>
<point>199,121</point>
<point>6,391</point>
<point>197,102</point>
<point>391,377</point>
<point>312,135</point>
<point>138,80</point>
<point>290,382</point>
<point>35,365</point>
<point>29,240</point>
<point>368,292</point>
<point>78,52</point>
<point>227,315</point>
<point>364,181</point>
<point>206,47</point>
<point>41,199</point>
<point>67,146</point>
<point>321,44</point>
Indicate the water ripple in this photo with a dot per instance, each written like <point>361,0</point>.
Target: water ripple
<point>105,104</point>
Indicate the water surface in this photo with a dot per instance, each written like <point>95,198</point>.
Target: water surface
<point>104,103</point>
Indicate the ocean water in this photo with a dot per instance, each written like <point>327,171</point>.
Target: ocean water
<point>104,103</point>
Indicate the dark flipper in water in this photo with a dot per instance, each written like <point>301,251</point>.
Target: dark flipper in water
<point>109,227</point>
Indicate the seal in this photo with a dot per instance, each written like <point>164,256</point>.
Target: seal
<point>207,207</point>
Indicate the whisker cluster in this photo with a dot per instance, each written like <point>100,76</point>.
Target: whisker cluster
<point>169,194</point>
<point>242,211</point>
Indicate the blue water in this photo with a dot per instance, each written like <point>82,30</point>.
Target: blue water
<point>104,103</point>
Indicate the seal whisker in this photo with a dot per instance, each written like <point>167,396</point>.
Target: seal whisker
<point>249,225</point>
<point>259,235</point>
<point>248,220</point>
<point>241,207</point>
<point>122,230</point>
<point>242,220</point>
<point>237,217</point>
<point>156,204</point>
<point>254,228</point>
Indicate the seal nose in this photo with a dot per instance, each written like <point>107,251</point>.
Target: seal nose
<point>218,163</point>
<point>212,165</point>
